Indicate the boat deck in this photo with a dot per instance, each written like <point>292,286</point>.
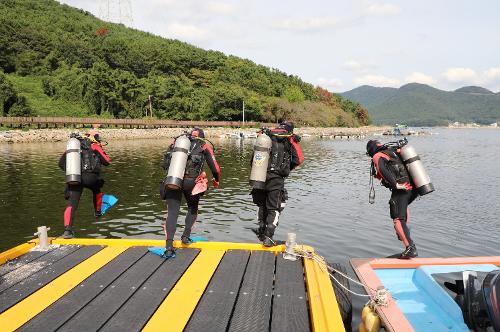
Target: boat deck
<point>117,285</point>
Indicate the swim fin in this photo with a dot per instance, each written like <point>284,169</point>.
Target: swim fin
<point>107,202</point>
<point>198,239</point>
<point>161,251</point>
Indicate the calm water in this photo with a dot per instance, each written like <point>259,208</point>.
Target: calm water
<point>328,206</point>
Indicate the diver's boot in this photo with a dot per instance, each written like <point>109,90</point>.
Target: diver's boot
<point>68,233</point>
<point>186,239</point>
<point>409,252</point>
<point>169,253</point>
<point>268,242</point>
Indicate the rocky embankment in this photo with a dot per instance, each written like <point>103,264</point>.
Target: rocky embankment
<point>56,135</point>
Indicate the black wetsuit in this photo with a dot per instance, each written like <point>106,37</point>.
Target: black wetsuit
<point>391,171</point>
<point>285,156</point>
<point>200,152</point>
<point>92,158</point>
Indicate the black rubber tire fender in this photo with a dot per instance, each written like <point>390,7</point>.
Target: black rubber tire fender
<point>343,297</point>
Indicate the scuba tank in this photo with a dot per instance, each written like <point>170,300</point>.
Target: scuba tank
<point>73,161</point>
<point>415,168</point>
<point>177,167</point>
<point>260,161</point>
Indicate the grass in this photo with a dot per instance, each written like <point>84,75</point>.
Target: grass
<point>43,105</point>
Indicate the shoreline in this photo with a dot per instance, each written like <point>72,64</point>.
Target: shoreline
<point>62,134</point>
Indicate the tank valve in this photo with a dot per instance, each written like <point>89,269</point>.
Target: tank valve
<point>290,246</point>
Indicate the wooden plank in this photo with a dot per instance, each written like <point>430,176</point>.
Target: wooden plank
<point>323,307</point>
<point>63,309</point>
<point>19,314</point>
<point>100,309</point>
<point>173,314</point>
<point>12,278</point>
<point>18,262</point>
<point>252,311</point>
<point>135,313</point>
<point>214,310</point>
<point>290,312</point>
<point>39,279</point>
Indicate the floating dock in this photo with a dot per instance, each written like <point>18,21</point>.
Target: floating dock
<point>117,285</point>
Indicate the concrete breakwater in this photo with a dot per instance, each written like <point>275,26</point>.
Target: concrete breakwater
<point>57,135</point>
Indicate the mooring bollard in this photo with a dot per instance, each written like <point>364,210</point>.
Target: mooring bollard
<point>43,237</point>
<point>290,244</point>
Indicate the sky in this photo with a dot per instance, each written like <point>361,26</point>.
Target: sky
<point>338,45</point>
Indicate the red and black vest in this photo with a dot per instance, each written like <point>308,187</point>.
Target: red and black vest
<point>395,165</point>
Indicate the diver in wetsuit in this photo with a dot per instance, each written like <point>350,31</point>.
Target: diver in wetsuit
<point>194,185</point>
<point>390,170</point>
<point>92,157</point>
<point>285,155</point>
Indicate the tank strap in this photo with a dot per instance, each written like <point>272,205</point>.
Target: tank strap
<point>73,150</point>
<point>177,149</point>
<point>259,148</point>
<point>409,161</point>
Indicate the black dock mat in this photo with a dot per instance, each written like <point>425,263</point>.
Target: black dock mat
<point>290,313</point>
<point>39,279</point>
<point>215,307</point>
<point>41,262</point>
<point>253,306</point>
<point>63,309</point>
<point>135,313</point>
<point>100,309</point>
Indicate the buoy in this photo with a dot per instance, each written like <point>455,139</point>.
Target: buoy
<point>370,320</point>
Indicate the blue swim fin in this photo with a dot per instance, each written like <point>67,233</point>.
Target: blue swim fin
<point>198,239</point>
<point>160,251</point>
<point>107,202</point>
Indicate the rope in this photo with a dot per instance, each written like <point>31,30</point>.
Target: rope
<point>377,296</point>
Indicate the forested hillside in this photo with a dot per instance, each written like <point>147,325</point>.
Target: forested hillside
<point>422,105</point>
<point>58,60</point>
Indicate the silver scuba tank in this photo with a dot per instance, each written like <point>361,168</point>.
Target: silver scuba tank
<point>73,162</point>
<point>416,170</point>
<point>260,161</point>
<point>175,174</point>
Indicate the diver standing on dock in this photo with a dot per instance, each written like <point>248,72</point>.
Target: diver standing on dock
<point>184,162</point>
<point>388,167</point>
<point>82,161</point>
<point>270,194</point>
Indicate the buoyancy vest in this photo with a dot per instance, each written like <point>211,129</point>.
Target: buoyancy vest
<point>281,154</point>
<point>89,159</point>
<point>395,165</point>
<point>196,159</point>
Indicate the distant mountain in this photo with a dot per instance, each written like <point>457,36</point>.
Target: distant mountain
<point>475,90</point>
<point>422,105</point>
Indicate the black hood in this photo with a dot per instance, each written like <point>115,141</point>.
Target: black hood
<point>373,146</point>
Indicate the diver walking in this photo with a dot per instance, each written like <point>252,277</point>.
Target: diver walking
<point>401,172</point>
<point>184,163</point>
<point>276,153</point>
<point>82,161</point>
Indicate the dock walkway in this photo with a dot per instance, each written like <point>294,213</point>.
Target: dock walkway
<point>115,288</point>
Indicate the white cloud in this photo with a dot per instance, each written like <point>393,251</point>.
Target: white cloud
<point>307,24</point>
<point>353,65</point>
<point>492,74</point>
<point>417,77</point>
<point>377,80</point>
<point>185,32</point>
<point>461,75</point>
<point>220,7</point>
<point>330,83</point>
<point>382,9</point>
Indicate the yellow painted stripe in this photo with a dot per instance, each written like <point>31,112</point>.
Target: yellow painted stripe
<point>31,306</point>
<point>325,313</point>
<point>154,243</point>
<point>15,252</point>
<point>174,313</point>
